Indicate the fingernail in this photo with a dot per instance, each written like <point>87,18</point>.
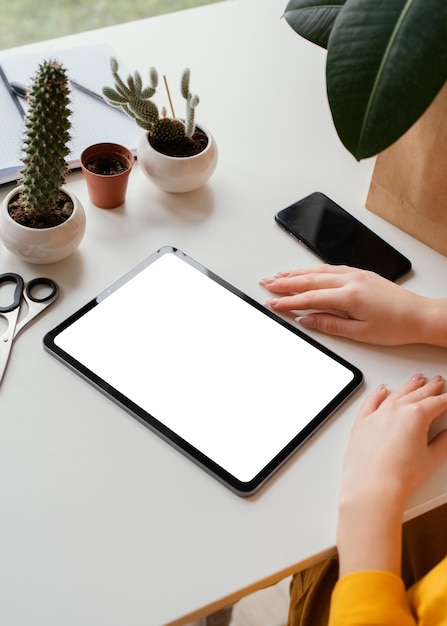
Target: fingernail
<point>267,281</point>
<point>382,386</point>
<point>273,302</point>
<point>308,321</point>
<point>418,376</point>
<point>437,379</point>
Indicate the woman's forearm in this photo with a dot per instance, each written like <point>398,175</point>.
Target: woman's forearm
<point>387,457</point>
<point>432,322</point>
<point>369,533</point>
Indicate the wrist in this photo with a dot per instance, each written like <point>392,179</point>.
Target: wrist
<point>369,532</point>
<point>431,323</point>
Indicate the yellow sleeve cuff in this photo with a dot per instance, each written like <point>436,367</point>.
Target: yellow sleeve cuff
<point>370,599</point>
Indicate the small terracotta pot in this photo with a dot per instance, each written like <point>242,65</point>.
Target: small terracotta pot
<point>107,191</point>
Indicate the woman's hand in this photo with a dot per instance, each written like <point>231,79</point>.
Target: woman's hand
<point>359,305</point>
<point>387,458</point>
<point>388,450</point>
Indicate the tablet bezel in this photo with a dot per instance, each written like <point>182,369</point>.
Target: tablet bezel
<point>236,485</point>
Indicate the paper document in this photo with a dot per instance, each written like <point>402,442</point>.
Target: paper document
<point>93,120</point>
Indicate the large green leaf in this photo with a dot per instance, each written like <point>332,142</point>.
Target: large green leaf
<point>313,19</point>
<point>387,60</point>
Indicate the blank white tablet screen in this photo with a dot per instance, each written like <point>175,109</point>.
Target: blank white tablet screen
<point>228,379</point>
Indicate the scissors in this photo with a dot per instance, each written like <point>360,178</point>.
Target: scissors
<point>36,304</point>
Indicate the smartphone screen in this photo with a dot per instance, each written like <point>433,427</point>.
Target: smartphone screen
<point>338,238</point>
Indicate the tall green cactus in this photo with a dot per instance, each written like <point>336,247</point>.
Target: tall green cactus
<point>45,143</point>
<point>135,100</point>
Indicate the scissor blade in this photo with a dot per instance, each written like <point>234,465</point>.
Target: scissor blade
<point>6,340</point>
<point>34,309</point>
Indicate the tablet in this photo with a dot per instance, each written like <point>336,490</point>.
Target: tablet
<point>220,377</point>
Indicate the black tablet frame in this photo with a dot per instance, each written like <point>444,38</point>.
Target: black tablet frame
<point>239,487</point>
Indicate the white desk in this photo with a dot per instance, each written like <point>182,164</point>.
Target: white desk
<point>102,523</point>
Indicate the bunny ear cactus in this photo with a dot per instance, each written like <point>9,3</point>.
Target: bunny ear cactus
<point>46,138</point>
<point>167,130</point>
<point>132,97</point>
<point>135,100</point>
<point>191,103</point>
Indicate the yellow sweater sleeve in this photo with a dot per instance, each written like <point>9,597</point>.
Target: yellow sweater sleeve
<point>379,599</point>
<point>370,599</point>
<point>428,597</point>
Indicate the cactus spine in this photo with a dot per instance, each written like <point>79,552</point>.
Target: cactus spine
<point>45,143</point>
<point>135,100</point>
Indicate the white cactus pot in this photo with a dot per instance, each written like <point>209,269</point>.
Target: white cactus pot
<point>177,174</point>
<point>42,245</point>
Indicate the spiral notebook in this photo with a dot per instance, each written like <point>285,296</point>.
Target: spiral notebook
<point>93,120</point>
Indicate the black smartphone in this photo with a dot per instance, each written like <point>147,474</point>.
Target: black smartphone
<point>338,238</point>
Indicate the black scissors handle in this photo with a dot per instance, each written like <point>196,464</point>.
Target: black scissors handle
<point>18,291</point>
<point>36,301</point>
<point>41,282</point>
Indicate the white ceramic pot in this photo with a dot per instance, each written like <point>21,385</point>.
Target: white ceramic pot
<point>177,174</point>
<point>42,245</point>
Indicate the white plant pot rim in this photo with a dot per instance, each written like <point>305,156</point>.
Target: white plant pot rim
<point>190,156</point>
<point>16,190</point>
<point>42,245</point>
<point>178,174</point>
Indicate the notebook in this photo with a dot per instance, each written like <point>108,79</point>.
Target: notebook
<point>224,380</point>
<point>93,121</point>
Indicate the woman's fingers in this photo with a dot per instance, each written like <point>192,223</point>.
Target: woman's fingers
<point>373,401</point>
<point>416,390</point>
<point>302,282</point>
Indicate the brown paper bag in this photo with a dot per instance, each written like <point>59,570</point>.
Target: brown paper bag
<point>409,183</point>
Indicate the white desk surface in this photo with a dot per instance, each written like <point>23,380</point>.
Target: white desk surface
<point>102,523</point>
